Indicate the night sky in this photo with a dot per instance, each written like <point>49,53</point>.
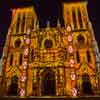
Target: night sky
<point>46,10</point>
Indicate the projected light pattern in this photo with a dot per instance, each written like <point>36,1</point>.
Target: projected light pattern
<point>51,61</point>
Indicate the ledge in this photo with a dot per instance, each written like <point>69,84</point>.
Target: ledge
<point>50,98</point>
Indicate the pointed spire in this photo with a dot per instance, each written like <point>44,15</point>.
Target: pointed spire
<point>37,24</point>
<point>48,24</point>
<point>58,23</point>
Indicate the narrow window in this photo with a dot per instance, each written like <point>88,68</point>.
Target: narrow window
<point>20,59</point>
<point>32,55</point>
<point>77,57</point>
<point>18,23</point>
<point>32,23</point>
<point>23,23</point>
<point>11,59</point>
<point>88,56</point>
<point>80,18</point>
<point>74,18</point>
<point>65,53</point>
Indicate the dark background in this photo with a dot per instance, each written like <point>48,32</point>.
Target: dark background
<point>46,10</point>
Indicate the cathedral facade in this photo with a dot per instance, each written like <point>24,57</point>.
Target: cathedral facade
<point>51,61</point>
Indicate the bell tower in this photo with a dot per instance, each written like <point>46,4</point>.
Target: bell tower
<point>85,46</point>
<point>51,61</point>
<point>15,46</point>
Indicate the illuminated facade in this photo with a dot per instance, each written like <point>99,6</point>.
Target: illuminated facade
<point>59,61</point>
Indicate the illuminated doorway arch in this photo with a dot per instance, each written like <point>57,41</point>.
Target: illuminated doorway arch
<point>13,88</point>
<point>86,85</point>
<point>48,82</point>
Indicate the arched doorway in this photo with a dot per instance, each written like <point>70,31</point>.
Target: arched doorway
<point>86,85</point>
<point>12,91</point>
<point>48,82</point>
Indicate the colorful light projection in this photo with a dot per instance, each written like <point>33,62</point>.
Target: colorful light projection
<point>70,49</point>
<point>69,29</point>
<point>70,38</point>
<point>72,63</point>
<point>25,65</point>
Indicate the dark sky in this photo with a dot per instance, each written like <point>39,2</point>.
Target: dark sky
<point>46,9</point>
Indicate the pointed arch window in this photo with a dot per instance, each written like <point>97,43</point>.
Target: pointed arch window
<point>74,17</point>
<point>77,57</point>
<point>18,23</point>
<point>11,59</point>
<point>32,23</point>
<point>32,55</point>
<point>80,18</point>
<point>20,59</point>
<point>65,53</point>
<point>23,23</point>
<point>88,56</point>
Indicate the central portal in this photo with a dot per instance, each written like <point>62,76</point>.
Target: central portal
<point>48,83</point>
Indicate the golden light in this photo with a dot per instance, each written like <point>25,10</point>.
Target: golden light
<point>23,77</point>
<point>26,51</point>
<point>28,31</point>
<point>22,92</point>
<point>71,62</point>
<point>24,64</point>
<point>70,49</point>
<point>69,29</point>
<point>70,38</point>
<point>74,91</point>
<point>27,41</point>
<point>73,76</point>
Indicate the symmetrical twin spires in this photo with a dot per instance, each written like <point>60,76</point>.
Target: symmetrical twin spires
<point>51,61</point>
<point>74,14</point>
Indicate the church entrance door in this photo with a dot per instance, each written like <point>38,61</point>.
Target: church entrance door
<point>86,85</point>
<point>48,82</point>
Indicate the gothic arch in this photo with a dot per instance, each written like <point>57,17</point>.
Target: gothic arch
<point>13,87</point>
<point>48,82</point>
<point>86,85</point>
<point>48,38</point>
<point>80,39</point>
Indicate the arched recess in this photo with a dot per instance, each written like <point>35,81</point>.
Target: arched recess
<point>13,88</point>
<point>86,86</point>
<point>48,87</point>
<point>48,42</point>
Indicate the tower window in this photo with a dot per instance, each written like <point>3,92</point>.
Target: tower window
<point>23,24</point>
<point>32,23</point>
<point>65,53</point>
<point>77,57</point>
<point>11,59</point>
<point>20,59</point>
<point>18,23</point>
<point>74,18</point>
<point>88,56</point>
<point>81,39</point>
<point>32,55</point>
<point>80,18</point>
<point>17,43</point>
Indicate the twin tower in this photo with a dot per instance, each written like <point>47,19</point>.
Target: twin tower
<point>51,61</point>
